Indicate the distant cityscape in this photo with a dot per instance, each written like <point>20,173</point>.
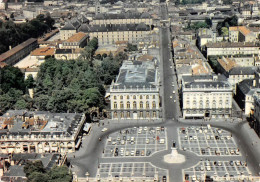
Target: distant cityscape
<point>156,91</point>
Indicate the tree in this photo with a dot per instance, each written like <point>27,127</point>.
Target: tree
<point>208,21</point>
<point>60,174</point>
<point>131,47</point>
<point>93,43</point>
<point>35,172</point>
<point>38,177</point>
<point>11,77</point>
<point>224,31</point>
<point>35,166</point>
<point>87,54</point>
<point>29,82</point>
<point>21,104</point>
<point>228,22</point>
<point>12,34</point>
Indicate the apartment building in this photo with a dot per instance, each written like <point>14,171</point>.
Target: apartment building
<point>238,74</point>
<point>78,40</point>
<point>241,34</point>
<point>69,29</point>
<point>135,93</point>
<point>206,96</point>
<point>110,34</point>
<point>256,123</point>
<point>20,51</point>
<point>67,54</point>
<point>39,54</point>
<point>122,18</point>
<point>232,48</point>
<point>40,132</point>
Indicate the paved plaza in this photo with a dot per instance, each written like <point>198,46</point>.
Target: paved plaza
<point>137,141</point>
<point>216,169</point>
<point>207,141</point>
<point>129,169</point>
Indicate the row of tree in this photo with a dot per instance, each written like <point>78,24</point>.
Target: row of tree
<point>12,34</point>
<point>35,172</point>
<point>222,27</point>
<point>13,93</point>
<point>61,86</point>
<point>197,25</point>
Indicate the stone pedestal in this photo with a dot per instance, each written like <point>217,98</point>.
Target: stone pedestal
<point>174,157</point>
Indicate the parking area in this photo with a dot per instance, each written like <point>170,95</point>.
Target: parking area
<point>129,169</point>
<point>137,141</point>
<point>207,141</point>
<point>207,169</point>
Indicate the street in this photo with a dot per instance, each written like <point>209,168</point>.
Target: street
<point>90,158</point>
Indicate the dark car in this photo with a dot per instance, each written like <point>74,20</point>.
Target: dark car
<point>164,179</point>
<point>186,177</point>
<point>148,152</point>
<point>137,153</point>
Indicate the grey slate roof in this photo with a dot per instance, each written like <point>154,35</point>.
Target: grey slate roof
<point>111,28</point>
<point>63,51</point>
<point>242,70</point>
<point>135,76</point>
<point>58,123</point>
<point>207,84</point>
<point>245,86</point>
<point>127,15</point>
<point>73,25</point>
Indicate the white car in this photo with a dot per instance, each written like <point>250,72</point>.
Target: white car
<point>104,129</point>
<point>161,141</point>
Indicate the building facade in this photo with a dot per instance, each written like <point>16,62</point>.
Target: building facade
<point>256,123</point>
<point>206,97</point>
<point>17,53</point>
<point>232,48</point>
<point>110,34</point>
<point>40,132</point>
<point>67,54</point>
<point>78,40</point>
<point>123,18</point>
<point>135,94</point>
<point>241,34</point>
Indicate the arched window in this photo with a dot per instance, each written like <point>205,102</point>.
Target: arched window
<point>128,114</point>
<point>153,96</point>
<point>115,105</point>
<point>134,105</point>
<point>147,105</point>
<point>115,114</point>
<point>141,97</point>
<point>154,114</point>
<point>121,97</point>
<point>154,105</point>
<point>115,97</point>
<point>147,97</point>
<point>134,97</point>
<point>141,105</point>
<point>128,105</point>
<point>141,114</point>
<point>147,114</point>
<point>121,105</point>
<point>122,114</point>
<point>127,97</point>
